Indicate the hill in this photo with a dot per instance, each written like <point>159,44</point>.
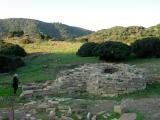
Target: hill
<point>123,34</point>
<point>30,26</point>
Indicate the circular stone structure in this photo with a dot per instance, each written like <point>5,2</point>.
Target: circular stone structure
<point>101,79</point>
<point>104,79</point>
<point>115,79</point>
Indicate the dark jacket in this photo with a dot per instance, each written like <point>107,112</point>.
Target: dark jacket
<point>15,82</point>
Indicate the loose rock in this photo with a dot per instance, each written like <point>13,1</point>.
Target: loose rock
<point>128,116</point>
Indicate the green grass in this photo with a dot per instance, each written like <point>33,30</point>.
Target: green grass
<point>7,99</point>
<point>8,91</point>
<point>35,72</point>
<point>113,115</point>
<point>74,117</point>
<point>140,116</point>
<point>151,90</point>
<point>54,55</point>
<point>116,115</point>
<point>151,65</point>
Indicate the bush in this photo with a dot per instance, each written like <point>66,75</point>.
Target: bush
<point>147,47</point>
<point>82,40</point>
<point>11,49</point>
<point>15,34</point>
<point>25,41</point>
<point>86,50</point>
<point>42,36</point>
<point>8,63</point>
<point>113,51</point>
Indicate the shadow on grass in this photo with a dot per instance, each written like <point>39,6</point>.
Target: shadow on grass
<point>136,60</point>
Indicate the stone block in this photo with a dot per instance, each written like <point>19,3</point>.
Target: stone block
<point>117,109</point>
<point>128,116</point>
<point>27,93</point>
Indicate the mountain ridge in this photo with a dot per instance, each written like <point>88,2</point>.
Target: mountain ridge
<point>123,34</point>
<point>32,26</point>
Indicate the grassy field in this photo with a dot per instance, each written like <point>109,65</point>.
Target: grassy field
<point>43,62</point>
<point>46,59</point>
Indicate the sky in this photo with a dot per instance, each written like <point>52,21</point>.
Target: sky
<point>89,14</point>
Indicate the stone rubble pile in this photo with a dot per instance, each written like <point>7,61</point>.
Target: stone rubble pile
<point>124,79</point>
<point>51,106</point>
<point>104,79</point>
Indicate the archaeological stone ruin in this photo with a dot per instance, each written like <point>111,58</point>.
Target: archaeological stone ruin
<point>103,79</point>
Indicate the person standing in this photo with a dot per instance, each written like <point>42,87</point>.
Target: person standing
<point>15,83</point>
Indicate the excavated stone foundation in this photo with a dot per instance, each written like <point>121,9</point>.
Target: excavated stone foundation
<point>104,79</point>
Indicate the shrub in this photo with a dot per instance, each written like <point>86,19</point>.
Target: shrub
<point>8,63</point>
<point>82,40</point>
<point>42,36</point>
<point>113,51</point>
<point>147,47</point>
<point>96,50</point>
<point>86,49</point>
<point>25,41</point>
<point>11,49</point>
<point>15,34</point>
